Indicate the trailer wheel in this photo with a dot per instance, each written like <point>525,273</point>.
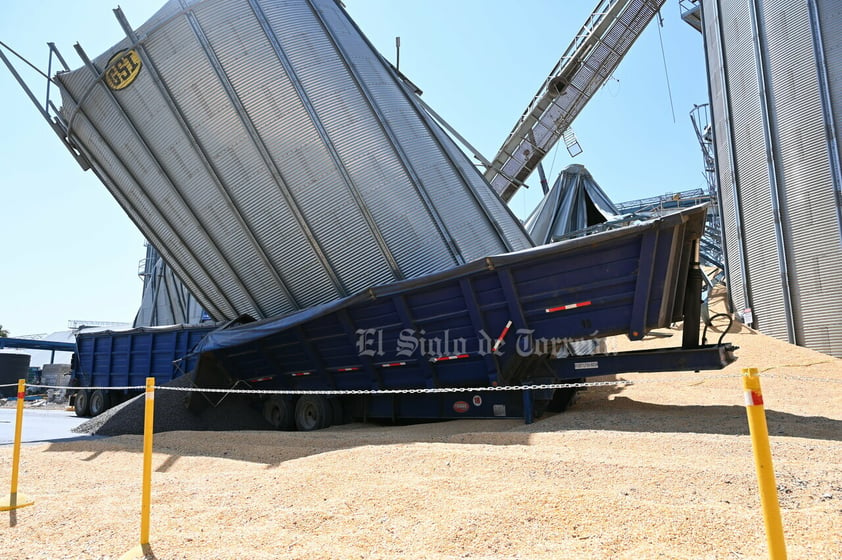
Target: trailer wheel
<point>279,412</point>
<point>337,411</point>
<point>312,412</point>
<point>100,401</point>
<point>563,398</point>
<point>81,403</point>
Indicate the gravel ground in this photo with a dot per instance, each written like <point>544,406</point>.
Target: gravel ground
<point>659,469</point>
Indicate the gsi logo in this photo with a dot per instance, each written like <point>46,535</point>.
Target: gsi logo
<point>122,69</point>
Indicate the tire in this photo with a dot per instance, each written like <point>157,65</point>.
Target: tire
<point>312,412</point>
<point>279,412</point>
<point>337,412</point>
<point>100,401</point>
<point>563,398</point>
<point>81,403</point>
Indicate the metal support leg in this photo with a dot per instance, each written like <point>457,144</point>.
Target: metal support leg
<point>528,409</point>
<point>693,302</point>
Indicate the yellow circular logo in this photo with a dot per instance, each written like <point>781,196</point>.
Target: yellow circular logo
<point>122,69</point>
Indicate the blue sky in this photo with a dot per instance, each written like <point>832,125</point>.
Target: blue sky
<point>70,253</point>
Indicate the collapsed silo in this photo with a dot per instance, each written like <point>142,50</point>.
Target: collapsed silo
<point>274,158</point>
<point>574,203</point>
<point>774,72</point>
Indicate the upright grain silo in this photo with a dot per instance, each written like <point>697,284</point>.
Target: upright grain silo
<point>274,158</point>
<point>775,72</point>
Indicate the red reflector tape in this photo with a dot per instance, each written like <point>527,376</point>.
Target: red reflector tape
<point>443,358</point>
<point>569,306</point>
<point>348,369</point>
<point>301,373</point>
<point>753,398</point>
<point>501,337</point>
<point>393,364</point>
<point>259,379</point>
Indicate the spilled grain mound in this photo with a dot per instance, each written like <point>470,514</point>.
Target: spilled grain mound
<point>234,412</point>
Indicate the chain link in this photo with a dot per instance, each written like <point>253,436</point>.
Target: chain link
<point>412,391</point>
<point>801,378</point>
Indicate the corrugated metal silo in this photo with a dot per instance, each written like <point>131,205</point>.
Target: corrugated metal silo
<point>274,159</point>
<point>775,70</point>
<point>574,203</point>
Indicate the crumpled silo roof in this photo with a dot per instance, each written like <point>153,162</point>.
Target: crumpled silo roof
<point>575,202</point>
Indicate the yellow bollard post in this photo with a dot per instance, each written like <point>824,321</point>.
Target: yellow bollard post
<point>763,464</point>
<point>144,550</point>
<point>15,500</point>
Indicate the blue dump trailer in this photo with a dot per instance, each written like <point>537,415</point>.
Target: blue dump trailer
<point>112,362</point>
<point>449,344</point>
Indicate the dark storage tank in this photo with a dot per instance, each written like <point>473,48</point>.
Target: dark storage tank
<point>12,368</point>
<point>275,159</point>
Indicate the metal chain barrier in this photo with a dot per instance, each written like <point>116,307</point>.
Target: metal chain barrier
<point>420,390</point>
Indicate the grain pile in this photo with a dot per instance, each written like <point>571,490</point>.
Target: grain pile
<point>231,412</point>
<point>659,469</point>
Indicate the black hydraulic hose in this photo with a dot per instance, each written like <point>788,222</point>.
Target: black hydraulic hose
<point>726,331</point>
